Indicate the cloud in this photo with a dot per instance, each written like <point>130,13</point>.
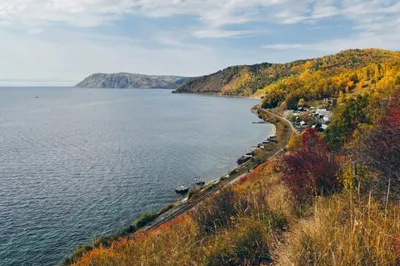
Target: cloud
<point>374,24</point>
<point>35,31</point>
<point>282,46</point>
<point>325,9</point>
<point>365,40</point>
<point>212,16</point>
<point>218,33</point>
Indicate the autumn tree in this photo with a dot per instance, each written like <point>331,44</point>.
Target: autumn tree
<point>341,98</point>
<point>346,120</point>
<point>274,96</point>
<point>310,170</point>
<point>380,147</point>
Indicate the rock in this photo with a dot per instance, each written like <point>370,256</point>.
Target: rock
<point>128,80</point>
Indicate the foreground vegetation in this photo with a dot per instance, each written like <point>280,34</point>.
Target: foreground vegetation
<point>330,199</point>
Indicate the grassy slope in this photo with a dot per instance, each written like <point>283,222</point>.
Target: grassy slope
<point>247,80</point>
<point>257,223</point>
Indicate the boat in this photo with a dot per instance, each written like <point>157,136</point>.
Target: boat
<point>199,182</point>
<point>242,160</point>
<point>249,154</point>
<point>260,122</point>
<point>182,189</point>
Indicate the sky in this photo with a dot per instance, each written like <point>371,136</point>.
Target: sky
<point>60,42</point>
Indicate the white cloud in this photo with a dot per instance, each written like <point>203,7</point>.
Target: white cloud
<point>218,33</point>
<point>325,9</point>
<point>35,31</point>
<point>212,15</point>
<point>282,46</point>
<point>211,12</point>
<point>376,24</point>
<point>365,40</point>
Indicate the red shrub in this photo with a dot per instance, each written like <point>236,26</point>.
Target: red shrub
<point>311,169</point>
<point>243,179</point>
<point>396,244</point>
<point>380,149</point>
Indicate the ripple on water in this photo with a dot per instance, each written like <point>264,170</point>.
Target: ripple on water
<point>76,164</point>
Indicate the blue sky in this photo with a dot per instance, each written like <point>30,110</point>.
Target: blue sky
<point>59,42</point>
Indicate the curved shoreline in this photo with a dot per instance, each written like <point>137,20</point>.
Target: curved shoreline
<point>223,181</point>
<point>172,211</point>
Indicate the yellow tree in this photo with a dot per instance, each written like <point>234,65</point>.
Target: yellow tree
<point>341,98</point>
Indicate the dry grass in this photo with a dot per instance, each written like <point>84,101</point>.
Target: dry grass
<point>171,244</point>
<point>345,231</point>
<point>261,227</point>
<point>238,226</point>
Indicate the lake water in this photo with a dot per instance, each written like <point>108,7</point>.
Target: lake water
<point>81,163</point>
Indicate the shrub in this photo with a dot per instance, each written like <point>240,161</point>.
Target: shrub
<point>246,244</point>
<point>380,147</point>
<point>193,193</point>
<point>216,211</point>
<point>77,254</point>
<point>145,219</point>
<point>166,208</point>
<point>310,170</point>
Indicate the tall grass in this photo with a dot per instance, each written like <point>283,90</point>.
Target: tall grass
<point>256,223</point>
<point>345,230</point>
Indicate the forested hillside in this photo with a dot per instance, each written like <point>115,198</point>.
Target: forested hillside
<point>313,79</point>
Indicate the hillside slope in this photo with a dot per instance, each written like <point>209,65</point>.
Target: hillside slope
<point>128,80</point>
<point>247,80</point>
<point>330,198</point>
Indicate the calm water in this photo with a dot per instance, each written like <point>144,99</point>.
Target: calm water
<point>80,163</point>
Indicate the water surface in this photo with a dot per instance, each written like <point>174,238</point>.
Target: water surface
<point>76,164</point>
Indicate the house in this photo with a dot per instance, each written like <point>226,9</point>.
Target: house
<point>303,124</point>
<point>321,112</point>
<point>324,113</point>
<point>324,127</point>
<point>326,120</point>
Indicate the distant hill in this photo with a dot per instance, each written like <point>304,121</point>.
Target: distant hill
<point>128,80</point>
<point>247,80</point>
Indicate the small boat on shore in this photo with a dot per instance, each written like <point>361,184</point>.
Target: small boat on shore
<point>182,189</point>
<point>242,160</point>
<point>199,182</point>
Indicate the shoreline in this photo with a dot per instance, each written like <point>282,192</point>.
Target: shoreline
<point>171,211</point>
<point>217,95</point>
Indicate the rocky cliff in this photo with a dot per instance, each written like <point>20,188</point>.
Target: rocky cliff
<point>128,80</point>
